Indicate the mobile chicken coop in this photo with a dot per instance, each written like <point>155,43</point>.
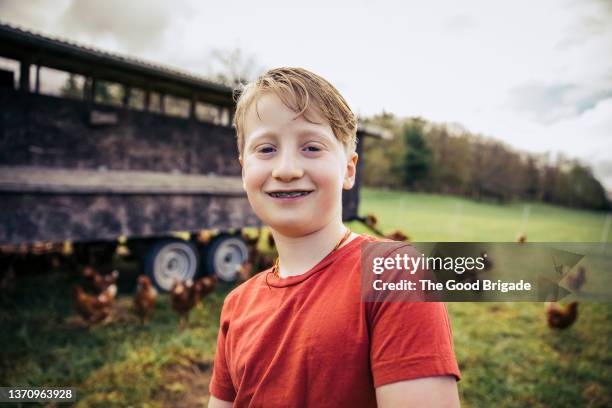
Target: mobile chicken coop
<point>97,146</point>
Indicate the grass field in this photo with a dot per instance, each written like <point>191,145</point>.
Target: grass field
<point>507,354</point>
<point>430,217</point>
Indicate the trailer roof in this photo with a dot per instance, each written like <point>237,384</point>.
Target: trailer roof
<point>34,48</point>
<point>50,180</point>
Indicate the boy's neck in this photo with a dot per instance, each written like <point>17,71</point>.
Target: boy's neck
<point>299,254</point>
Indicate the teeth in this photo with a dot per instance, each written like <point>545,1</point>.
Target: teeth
<point>289,193</point>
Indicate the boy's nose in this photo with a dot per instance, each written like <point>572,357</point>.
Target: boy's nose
<point>287,168</point>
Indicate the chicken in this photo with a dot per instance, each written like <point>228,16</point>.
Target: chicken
<point>521,238</point>
<point>397,235</point>
<point>144,300</point>
<point>561,317</point>
<point>257,259</point>
<point>99,282</point>
<point>205,236</point>
<point>205,286</point>
<point>245,271</point>
<point>576,280</point>
<point>371,222</point>
<point>184,297</point>
<point>93,309</point>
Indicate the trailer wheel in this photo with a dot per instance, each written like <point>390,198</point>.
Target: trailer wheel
<point>225,255</point>
<point>169,260</point>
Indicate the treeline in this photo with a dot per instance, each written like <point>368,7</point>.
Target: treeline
<point>442,158</point>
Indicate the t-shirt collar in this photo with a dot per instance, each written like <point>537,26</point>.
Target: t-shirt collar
<point>277,282</point>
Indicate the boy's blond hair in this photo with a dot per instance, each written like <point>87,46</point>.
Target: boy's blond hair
<point>297,88</point>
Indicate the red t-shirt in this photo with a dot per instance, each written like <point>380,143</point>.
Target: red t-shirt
<point>309,340</point>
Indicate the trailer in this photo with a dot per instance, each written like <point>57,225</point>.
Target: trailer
<point>154,161</point>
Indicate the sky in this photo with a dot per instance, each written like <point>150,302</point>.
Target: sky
<point>536,75</point>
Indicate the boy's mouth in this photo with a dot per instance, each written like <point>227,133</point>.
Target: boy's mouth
<point>289,194</point>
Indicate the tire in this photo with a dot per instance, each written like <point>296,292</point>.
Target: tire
<point>224,255</point>
<point>169,260</point>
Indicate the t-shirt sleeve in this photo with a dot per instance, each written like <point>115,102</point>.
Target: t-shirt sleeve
<point>221,385</point>
<point>410,340</point>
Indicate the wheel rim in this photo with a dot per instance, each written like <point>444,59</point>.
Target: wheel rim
<point>174,261</point>
<point>228,257</point>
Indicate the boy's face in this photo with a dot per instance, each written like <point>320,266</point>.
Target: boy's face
<point>292,170</point>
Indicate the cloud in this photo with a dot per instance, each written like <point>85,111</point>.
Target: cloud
<point>591,21</point>
<point>34,14</point>
<point>133,26</point>
<point>137,25</point>
<point>602,169</point>
<point>461,22</point>
<point>550,103</point>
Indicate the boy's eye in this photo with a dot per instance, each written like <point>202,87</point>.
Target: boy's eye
<point>266,149</point>
<point>312,149</point>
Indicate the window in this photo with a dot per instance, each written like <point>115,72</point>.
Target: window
<point>208,113</point>
<point>175,106</point>
<point>108,93</point>
<point>137,99</point>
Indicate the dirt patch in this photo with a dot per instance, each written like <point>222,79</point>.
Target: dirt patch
<point>185,384</point>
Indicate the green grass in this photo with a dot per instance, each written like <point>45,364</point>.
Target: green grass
<point>120,363</point>
<point>507,354</point>
<point>430,217</point>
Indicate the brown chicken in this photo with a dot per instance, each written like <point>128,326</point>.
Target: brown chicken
<point>181,300</point>
<point>576,280</point>
<point>97,281</point>
<point>205,236</point>
<point>205,286</point>
<point>521,238</point>
<point>371,222</point>
<point>258,260</point>
<point>144,300</point>
<point>93,309</point>
<point>245,271</point>
<point>186,295</point>
<point>397,235</point>
<point>561,317</point>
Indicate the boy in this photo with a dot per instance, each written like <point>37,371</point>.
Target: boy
<point>298,335</point>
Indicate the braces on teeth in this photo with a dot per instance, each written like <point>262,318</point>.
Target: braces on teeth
<point>290,194</point>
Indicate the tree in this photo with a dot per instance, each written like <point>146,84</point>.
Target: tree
<point>71,88</point>
<point>383,159</point>
<point>417,158</point>
<point>232,67</point>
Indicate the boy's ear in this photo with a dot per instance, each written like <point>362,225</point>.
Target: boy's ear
<point>351,171</point>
